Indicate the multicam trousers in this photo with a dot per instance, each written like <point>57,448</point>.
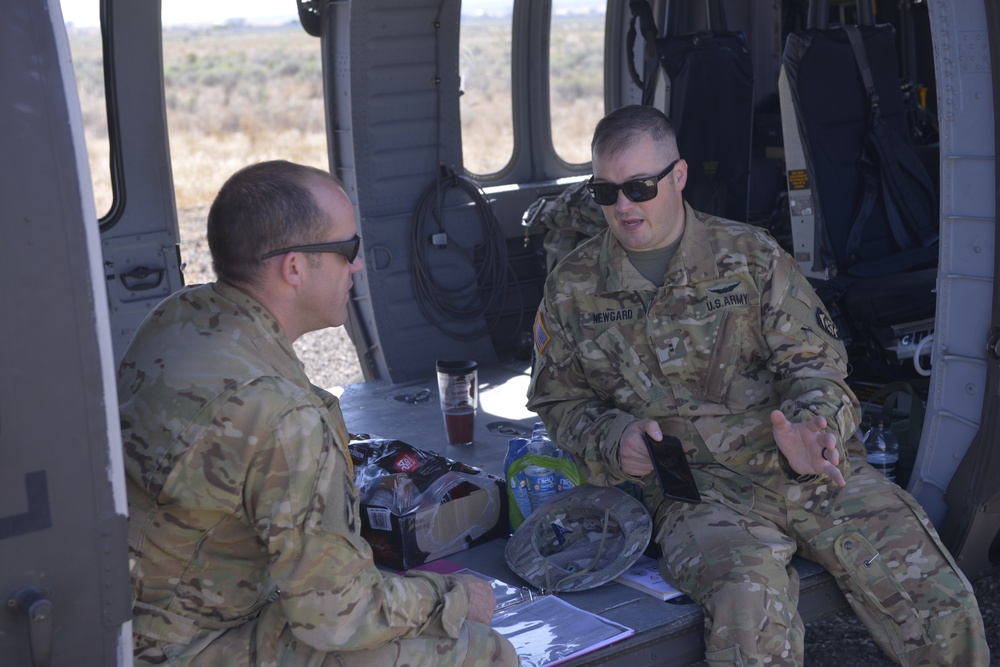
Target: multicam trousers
<point>871,535</point>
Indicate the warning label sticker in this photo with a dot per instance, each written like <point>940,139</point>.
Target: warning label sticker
<point>798,179</point>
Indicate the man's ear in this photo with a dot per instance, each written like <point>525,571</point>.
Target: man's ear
<point>680,175</point>
<point>291,268</point>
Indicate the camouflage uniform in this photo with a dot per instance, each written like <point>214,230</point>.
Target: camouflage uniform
<point>244,527</point>
<point>735,332</point>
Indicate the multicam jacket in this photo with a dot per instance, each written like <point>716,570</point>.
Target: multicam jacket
<point>735,332</point>
<point>241,499</point>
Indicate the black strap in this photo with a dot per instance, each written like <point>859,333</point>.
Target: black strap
<point>642,12</point>
<point>630,52</point>
<point>869,171</point>
<point>857,45</point>
<point>888,166</point>
<point>916,205</point>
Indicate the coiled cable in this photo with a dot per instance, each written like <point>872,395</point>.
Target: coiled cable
<point>462,304</point>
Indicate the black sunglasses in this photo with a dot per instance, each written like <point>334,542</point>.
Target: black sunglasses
<point>636,190</point>
<point>348,249</point>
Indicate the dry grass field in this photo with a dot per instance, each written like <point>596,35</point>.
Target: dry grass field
<point>237,95</point>
<point>233,96</point>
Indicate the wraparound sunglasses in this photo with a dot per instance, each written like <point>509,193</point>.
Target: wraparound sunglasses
<point>636,190</point>
<point>348,249</point>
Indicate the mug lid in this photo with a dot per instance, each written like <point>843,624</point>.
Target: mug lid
<point>456,367</point>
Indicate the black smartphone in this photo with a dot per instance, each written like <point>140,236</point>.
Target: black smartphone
<point>672,469</point>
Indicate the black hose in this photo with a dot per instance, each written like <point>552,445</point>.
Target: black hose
<point>463,304</point>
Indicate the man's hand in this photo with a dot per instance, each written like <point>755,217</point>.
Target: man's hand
<point>482,601</point>
<point>632,453</point>
<point>809,449</point>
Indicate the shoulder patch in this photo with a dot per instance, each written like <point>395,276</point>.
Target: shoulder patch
<point>825,323</point>
<point>541,335</point>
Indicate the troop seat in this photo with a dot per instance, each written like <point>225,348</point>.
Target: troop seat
<point>714,123</point>
<point>859,186</point>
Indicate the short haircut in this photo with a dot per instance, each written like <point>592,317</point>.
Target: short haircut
<point>619,130</point>
<point>263,207</point>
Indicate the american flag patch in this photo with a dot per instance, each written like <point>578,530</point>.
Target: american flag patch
<point>541,335</point>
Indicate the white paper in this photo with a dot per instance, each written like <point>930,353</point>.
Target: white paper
<point>547,630</point>
<point>544,629</point>
<point>644,576</point>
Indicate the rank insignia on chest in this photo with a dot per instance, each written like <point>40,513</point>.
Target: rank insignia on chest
<point>540,334</point>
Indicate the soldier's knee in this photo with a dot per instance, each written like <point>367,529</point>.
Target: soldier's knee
<point>757,591</point>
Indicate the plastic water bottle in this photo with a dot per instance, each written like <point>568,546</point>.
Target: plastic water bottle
<point>541,480</point>
<point>516,447</point>
<point>545,446</point>
<point>564,483</point>
<point>882,449</point>
<point>541,444</point>
<point>539,433</point>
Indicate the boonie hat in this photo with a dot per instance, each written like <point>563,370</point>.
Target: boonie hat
<point>579,539</point>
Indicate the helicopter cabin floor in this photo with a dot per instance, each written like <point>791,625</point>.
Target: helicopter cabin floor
<point>666,633</point>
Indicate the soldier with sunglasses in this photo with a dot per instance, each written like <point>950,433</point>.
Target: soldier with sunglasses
<point>677,322</point>
<point>244,526</point>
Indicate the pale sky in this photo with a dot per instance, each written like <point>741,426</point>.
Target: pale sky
<point>85,12</point>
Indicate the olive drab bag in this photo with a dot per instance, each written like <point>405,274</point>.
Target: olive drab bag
<point>569,219</point>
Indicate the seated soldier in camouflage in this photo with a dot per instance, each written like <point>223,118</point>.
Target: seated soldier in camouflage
<point>243,515</point>
<point>674,321</point>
